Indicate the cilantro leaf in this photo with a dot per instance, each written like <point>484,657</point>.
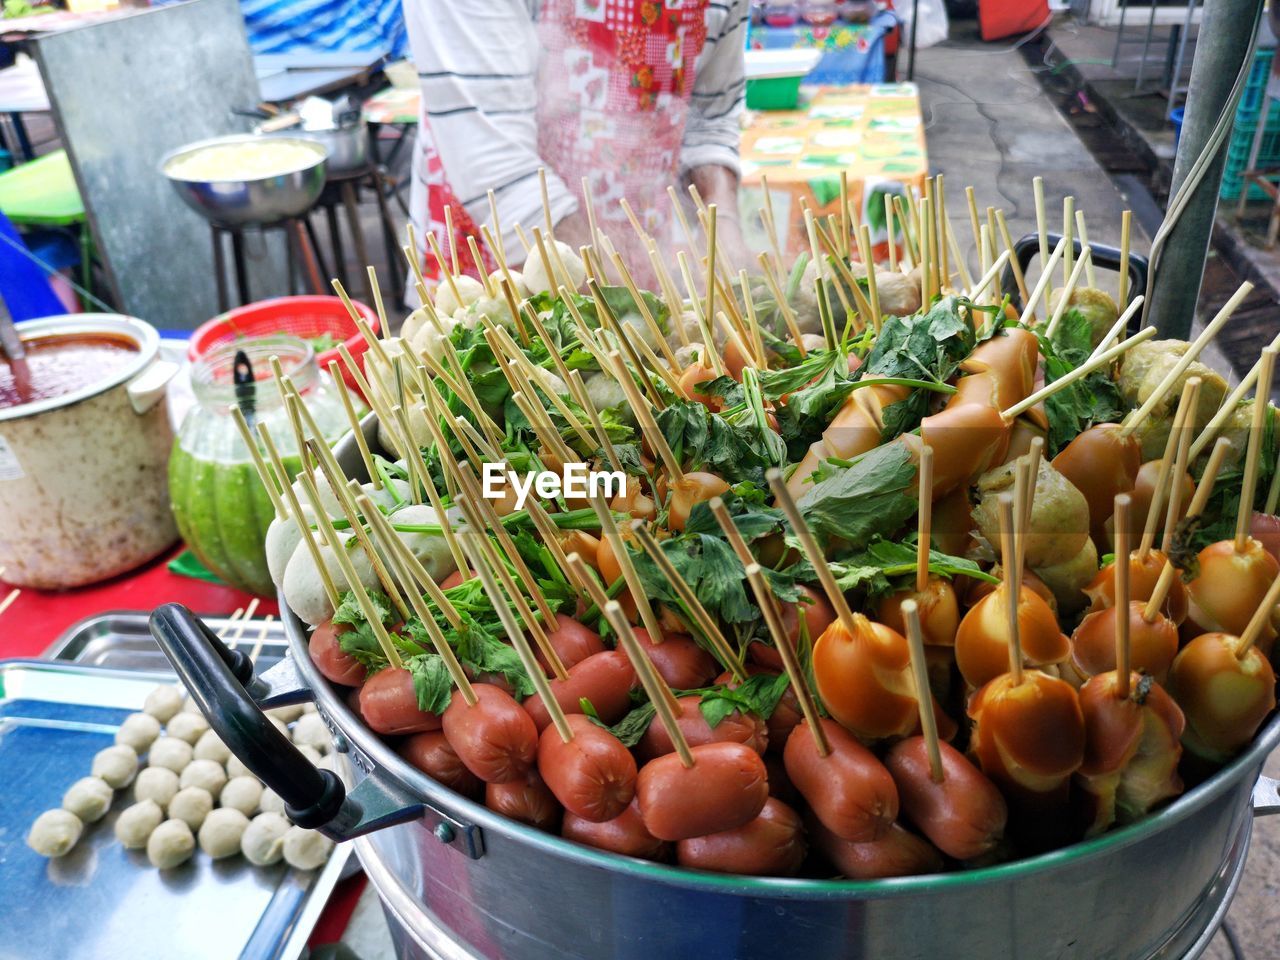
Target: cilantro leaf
<point>631,728</point>
<point>431,682</point>
<point>1091,400</point>
<point>874,495</point>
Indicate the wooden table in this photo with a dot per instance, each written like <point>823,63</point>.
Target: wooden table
<point>873,132</point>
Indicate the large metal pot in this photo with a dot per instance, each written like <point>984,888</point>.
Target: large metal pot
<point>347,146</point>
<point>83,489</point>
<point>459,881</point>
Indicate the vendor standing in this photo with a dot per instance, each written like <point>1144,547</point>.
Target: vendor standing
<point>634,95</point>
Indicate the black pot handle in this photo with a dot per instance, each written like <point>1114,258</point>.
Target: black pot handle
<point>1027,248</point>
<point>221,681</point>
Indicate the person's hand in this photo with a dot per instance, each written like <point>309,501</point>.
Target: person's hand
<point>719,185</point>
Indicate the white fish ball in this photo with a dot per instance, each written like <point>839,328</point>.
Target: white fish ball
<point>89,798</point>
<point>286,714</point>
<point>263,840</point>
<point>205,774</point>
<point>243,794</point>
<point>191,805</point>
<point>158,784</point>
<point>211,747</point>
<point>163,702</point>
<point>221,832</point>
<point>469,289</point>
<point>187,726</point>
<point>171,753</point>
<point>535,275</point>
<point>138,731</point>
<point>312,731</point>
<point>283,537</point>
<point>236,767</point>
<point>116,765</point>
<point>170,845</point>
<point>431,549</point>
<point>136,823</point>
<point>270,802</point>
<point>54,833</point>
<point>306,849</point>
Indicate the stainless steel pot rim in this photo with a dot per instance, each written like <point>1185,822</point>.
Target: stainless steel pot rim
<point>140,332</point>
<point>321,151</point>
<point>389,761</point>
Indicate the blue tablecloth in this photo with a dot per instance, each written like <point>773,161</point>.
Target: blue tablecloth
<point>851,52</point>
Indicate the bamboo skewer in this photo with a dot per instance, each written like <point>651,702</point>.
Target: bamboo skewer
<point>924,696</point>
<point>1121,613</point>
<point>304,529</point>
<point>790,662</point>
<point>1229,405</point>
<point>609,531</point>
<point>1042,285</point>
<point>784,307</point>
<point>1068,234</point>
<point>659,693</point>
<point>1167,475</point>
<point>1012,585</point>
<point>1126,227</point>
<point>1121,324</point>
<point>891,233</point>
<point>1006,238</point>
<point>1249,485</point>
<point>267,479</point>
<point>648,425</point>
<point>1042,228</point>
<point>1180,463</point>
<point>1258,622</point>
<point>1064,295</point>
<point>1086,368</point>
<point>868,261</point>
<point>412,568</point>
<point>987,278</point>
<point>924,525</point>
<point>354,420</point>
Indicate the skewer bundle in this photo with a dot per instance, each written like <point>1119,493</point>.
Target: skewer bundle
<point>885,567</point>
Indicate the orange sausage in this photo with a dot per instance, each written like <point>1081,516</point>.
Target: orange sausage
<point>966,440</point>
<point>593,775</point>
<point>1152,646</point>
<point>726,787</point>
<point>982,641</point>
<point>604,678</point>
<point>432,753</point>
<point>693,488</point>
<point>389,704</point>
<point>1100,463</point>
<point>771,845</point>
<point>625,834</point>
<point>735,728</point>
<point>849,790</point>
<point>964,815</point>
<point>572,641</point>
<point>682,664</point>
<point>495,738</point>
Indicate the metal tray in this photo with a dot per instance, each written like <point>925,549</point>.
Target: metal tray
<point>123,641</point>
<point>101,900</point>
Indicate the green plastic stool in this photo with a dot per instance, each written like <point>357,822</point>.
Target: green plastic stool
<point>43,193</point>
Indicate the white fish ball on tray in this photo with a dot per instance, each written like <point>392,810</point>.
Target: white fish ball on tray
<point>430,548</point>
<point>54,833</point>
<point>535,274</point>
<point>263,841</point>
<point>138,731</point>
<point>189,705</point>
<point>286,714</point>
<point>116,765</point>
<point>170,753</point>
<point>170,845</point>
<point>306,849</point>
<point>187,726</point>
<point>211,747</point>
<point>312,731</point>
<point>135,824</point>
<point>283,537</point>
<point>191,805</point>
<point>221,832</point>
<point>243,794</point>
<point>236,768</point>
<point>89,798</point>
<point>158,784</point>
<point>270,802</point>
<point>163,703</point>
<point>206,774</point>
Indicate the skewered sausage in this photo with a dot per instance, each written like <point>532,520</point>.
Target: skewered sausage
<point>899,853</point>
<point>496,739</point>
<point>682,664</point>
<point>527,799</point>
<point>625,834</point>
<point>432,753</point>
<point>964,814</point>
<point>726,787</point>
<point>771,845</point>
<point>735,728</point>
<point>849,790</point>
<point>593,775</point>
<point>572,641</point>
<point>389,704</point>
<point>605,679</point>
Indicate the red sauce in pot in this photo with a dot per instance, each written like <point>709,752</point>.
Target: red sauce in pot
<point>63,364</point>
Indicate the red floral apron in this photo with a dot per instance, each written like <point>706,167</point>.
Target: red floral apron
<point>613,95</point>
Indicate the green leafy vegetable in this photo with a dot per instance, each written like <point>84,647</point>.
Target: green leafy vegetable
<point>1091,400</point>
<point>431,682</point>
<point>631,728</point>
<point>873,496</point>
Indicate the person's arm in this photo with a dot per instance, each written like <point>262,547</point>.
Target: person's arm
<point>709,153</point>
<point>477,66</point>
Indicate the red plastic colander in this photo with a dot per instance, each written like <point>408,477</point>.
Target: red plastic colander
<point>305,317</point>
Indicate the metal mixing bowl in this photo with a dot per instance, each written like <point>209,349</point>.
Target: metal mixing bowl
<point>348,146</point>
<point>237,203</point>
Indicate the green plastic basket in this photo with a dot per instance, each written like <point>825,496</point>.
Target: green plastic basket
<point>1238,148</point>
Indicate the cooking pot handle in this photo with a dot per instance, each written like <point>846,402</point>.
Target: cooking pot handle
<point>1027,248</point>
<point>1266,796</point>
<point>221,681</point>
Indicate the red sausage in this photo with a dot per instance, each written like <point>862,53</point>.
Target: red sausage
<point>456,578</point>
<point>900,853</point>
<point>496,738</point>
<point>604,678</point>
<point>625,834</point>
<point>526,799</point>
<point>433,754</point>
<point>849,790</point>
<point>818,614</point>
<point>593,775</point>
<point>330,659</point>
<point>735,728</point>
<point>726,787</point>
<point>682,664</point>
<point>389,704</point>
<point>964,815</point>
<point>572,641</point>
<point>771,845</point>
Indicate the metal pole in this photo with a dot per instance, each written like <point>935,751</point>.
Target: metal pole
<point>911,52</point>
<point>1226,34</point>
